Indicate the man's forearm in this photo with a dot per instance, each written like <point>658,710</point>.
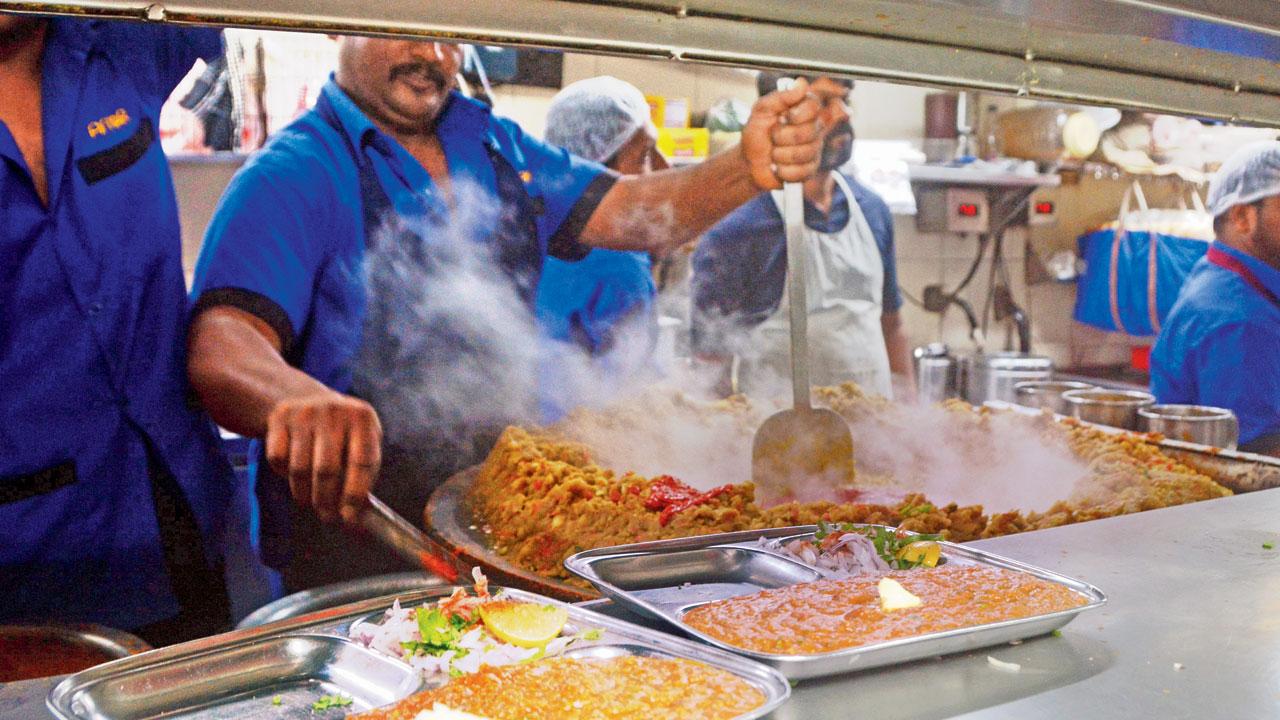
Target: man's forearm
<point>898,347</point>
<point>237,370</point>
<point>663,210</point>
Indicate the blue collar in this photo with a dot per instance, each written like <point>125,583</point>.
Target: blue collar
<point>72,36</point>
<point>1267,275</point>
<point>461,116</point>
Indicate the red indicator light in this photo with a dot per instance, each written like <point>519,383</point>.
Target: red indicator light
<point>1044,208</point>
<point>967,210</point>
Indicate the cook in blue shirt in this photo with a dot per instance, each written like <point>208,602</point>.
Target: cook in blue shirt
<point>113,490</point>
<point>381,252</point>
<point>1220,342</point>
<point>599,310</point>
<point>740,271</point>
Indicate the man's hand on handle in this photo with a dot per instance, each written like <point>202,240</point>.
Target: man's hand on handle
<point>329,446</point>
<point>781,141</point>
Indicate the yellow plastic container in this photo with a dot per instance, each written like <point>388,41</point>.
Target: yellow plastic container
<point>684,143</point>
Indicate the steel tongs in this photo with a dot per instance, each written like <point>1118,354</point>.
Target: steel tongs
<point>400,535</point>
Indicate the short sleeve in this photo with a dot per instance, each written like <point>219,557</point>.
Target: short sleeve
<point>1234,368</point>
<point>739,271</point>
<point>880,220</point>
<point>624,289</point>
<point>264,247</point>
<point>571,188</point>
<point>171,49</point>
<point>892,299</point>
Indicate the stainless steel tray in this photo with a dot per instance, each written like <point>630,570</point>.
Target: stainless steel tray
<point>666,578</point>
<point>242,674</point>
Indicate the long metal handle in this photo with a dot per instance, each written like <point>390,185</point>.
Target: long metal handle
<point>793,211</point>
<point>797,299</point>
<point>408,541</point>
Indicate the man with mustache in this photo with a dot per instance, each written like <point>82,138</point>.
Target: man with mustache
<point>291,344</point>
<point>740,270</point>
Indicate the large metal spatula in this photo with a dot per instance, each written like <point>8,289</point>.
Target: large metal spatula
<point>805,446</point>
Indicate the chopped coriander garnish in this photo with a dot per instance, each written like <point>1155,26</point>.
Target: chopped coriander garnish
<point>329,702</point>
<point>912,510</point>
<point>1056,633</point>
<point>439,632</point>
<point>277,700</point>
<point>592,634</point>
<point>1269,546</point>
<point>887,541</point>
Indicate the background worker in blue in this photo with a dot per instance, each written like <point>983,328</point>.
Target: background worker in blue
<point>318,291</point>
<point>740,271</point>
<point>113,490</point>
<point>606,298</point>
<point>1221,342</point>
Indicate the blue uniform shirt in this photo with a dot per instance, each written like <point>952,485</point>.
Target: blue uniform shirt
<point>1219,346</point>
<point>92,337</point>
<point>287,241</point>
<point>740,265</point>
<point>288,244</point>
<point>583,304</point>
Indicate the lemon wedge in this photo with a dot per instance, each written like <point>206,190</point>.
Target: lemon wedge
<point>895,597</point>
<point>526,625</point>
<point>922,552</point>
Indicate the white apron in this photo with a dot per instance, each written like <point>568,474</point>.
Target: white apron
<point>844,277</point>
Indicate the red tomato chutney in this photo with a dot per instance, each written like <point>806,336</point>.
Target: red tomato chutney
<point>830,615</point>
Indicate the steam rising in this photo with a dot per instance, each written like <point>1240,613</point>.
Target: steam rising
<point>452,350</point>
<point>1003,461</point>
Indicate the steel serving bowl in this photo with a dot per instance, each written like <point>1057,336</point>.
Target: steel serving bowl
<point>992,376</point>
<point>1117,408</point>
<point>1048,393</point>
<point>33,651</point>
<point>342,593</point>
<point>1193,423</point>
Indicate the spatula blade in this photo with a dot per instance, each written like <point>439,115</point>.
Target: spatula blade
<point>800,449</point>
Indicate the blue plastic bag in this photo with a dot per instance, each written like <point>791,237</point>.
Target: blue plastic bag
<point>1130,282</point>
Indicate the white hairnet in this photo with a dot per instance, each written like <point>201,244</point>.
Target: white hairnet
<point>594,118</point>
<point>1249,175</point>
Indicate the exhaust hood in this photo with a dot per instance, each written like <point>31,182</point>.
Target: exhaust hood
<point>1215,59</point>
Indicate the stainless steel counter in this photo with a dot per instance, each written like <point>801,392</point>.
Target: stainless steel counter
<point>1189,587</point>
<point>1192,630</point>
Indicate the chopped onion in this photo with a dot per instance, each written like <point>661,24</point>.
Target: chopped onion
<point>1003,666</point>
<point>851,555</point>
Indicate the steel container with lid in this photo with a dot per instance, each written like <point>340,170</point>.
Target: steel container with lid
<point>1200,424</point>
<point>1117,408</point>
<point>1040,394</point>
<point>936,373</point>
<point>994,376</point>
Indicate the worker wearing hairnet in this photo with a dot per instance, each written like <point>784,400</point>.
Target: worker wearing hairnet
<point>1221,340</point>
<point>602,304</point>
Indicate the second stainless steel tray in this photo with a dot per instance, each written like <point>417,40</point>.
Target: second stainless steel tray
<point>665,579</point>
<point>277,671</point>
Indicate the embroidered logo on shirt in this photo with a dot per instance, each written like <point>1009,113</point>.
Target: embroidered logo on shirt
<point>114,121</point>
<point>526,176</point>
